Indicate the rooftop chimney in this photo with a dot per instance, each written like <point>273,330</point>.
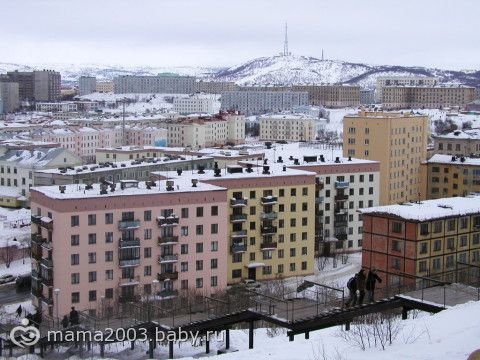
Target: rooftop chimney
<point>266,170</point>
<point>194,182</point>
<point>295,162</point>
<point>337,160</point>
<point>170,184</point>
<point>201,169</point>
<point>280,160</point>
<point>349,158</point>
<point>249,168</point>
<point>217,172</point>
<point>454,158</point>
<point>62,189</point>
<point>179,172</point>
<point>284,168</point>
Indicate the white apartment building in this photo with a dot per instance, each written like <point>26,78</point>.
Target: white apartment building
<point>87,85</point>
<point>56,106</point>
<point>290,127</point>
<point>383,81</point>
<point>200,132</point>
<point>197,104</point>
<point>17,167</point>
<point>105,87</point>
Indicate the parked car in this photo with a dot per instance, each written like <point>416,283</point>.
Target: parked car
<point>251,284</point>
<point>6,279</point>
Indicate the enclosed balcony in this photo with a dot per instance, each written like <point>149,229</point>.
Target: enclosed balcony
<point>128,262</point>
<point>37,239</point>
<point>162,259</point>
<point>173,275</point>
<point>47,281</point>
<point>268,216</point>
<point>47,300</point>
<point>35,219</point>
<point>340,211</point>
<point>341,184</point>
<point>36,252</point>
<point>239,234</point>
<point>168,293</point>
<point>341,235</point>
<point>171,220</point>
<point>341,197</point>
<point>268,246</point>
<point>319,199</point>
<point>37,291</point>
<point>167,240</point>
<point>47,245</point>
<point>269,200</point>
<point>238,218</point>
<point>268,230</point>
<point>239,248</point>
<point>46,222</point>
<point>128,224</point>
<point>36,275</point>
<point>238,202</point>
<point>48,263</point>
<point>319,184</point>
<point>129,243</point>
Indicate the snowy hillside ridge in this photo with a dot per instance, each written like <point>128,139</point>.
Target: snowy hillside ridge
<point>273,70</point>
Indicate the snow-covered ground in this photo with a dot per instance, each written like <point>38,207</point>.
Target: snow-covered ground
<point>10,229</point>
<point>17,267</point>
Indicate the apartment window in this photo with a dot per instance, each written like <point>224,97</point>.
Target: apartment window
<point>463,223</point>
<point>213,263</point>
<point>184,231</point>
<point>108,256</point>
<point>109,237</point>
<point>92,219</point>
<point>423,248</point>
<point>252,194</point>
<point>449,261</point>
<point>304,206</point>
<point>424,229</point>
<point>214,228</point>
<point>396,246</point>
<point>108,274</point>
<point>237,273</point>
<point>396,263</point>
<point>74,240</point>
<point>108,218</point>
<point>292,266</point>
<point>147,270</point>
<point>293,192</point>
<point>267,255</point>
<point>213,281</point>
<point>75,297</point>
<point>305,191</point>
<point>292,252</point>
<point>92,258</point>
<point>184,266</point>
<point>422,266</point>
<point>293,207</point>
<point>184,249</point>
<point>199,248</point>
<point>451,224</point>
<point>200,211</point>
<point>214,210</point>
<point>92,239</point>
<point>147,252</point>
<point>293,222</point>
<point>451,244</point>
<point>281,208</point>
<point>253,210</point>
<point>199,283</point>
<point>293,237</point>
<point>92,295</point>
<point>214,246</point>
<point>184,213</point>
<point>267,270</point>
<point>397,227</point>
<point>74,259</point>
<point>199,229</point>
<point>370,178</point>
<point>92,276</point>
<point>476,239</point>
<point>147,215</point>
<point>463,240</point>
<point>437,245</point>
<point>74,220</point>
<point>75,278</point>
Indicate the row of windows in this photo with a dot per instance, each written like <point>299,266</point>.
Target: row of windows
<point>268,254</point>
<point>267,270</point>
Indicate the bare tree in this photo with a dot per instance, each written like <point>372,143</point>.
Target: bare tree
<point>7,254</point>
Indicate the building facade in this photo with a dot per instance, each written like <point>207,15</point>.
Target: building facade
<point>423,239</point>
<point>105,87</point>
<point>367,96</point>
<point>215,87</point>
<point>162,83</point>
<point>196,104</point>
<point>56,106</point>
<point>9,97</point>
<point>289,127</point>
<point>458,142</point>
<point>87,85</point>
<point>399,142</point>
<point>333,96</point>
<point>383,81</point>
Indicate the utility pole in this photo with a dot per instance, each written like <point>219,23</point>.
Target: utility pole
<point>123,124</point>
<point>285,44</point>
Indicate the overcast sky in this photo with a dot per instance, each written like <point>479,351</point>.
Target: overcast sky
<point>433,33</point>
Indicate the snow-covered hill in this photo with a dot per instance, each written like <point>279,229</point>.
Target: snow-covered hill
<point>274,70</point>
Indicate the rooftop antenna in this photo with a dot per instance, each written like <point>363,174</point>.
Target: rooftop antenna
<point>285,44</point>
<point>322,55</point>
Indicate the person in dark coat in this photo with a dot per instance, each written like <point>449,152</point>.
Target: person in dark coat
<point>73,316</point>
<point>65,321</point>
<point>372,279</point>
<point>361,279</point>
<point>19,311</point>
<point>352,288</point>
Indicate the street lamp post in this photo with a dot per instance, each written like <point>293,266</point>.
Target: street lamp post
<point>56,291</point>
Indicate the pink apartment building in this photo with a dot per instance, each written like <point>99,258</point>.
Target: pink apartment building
<point>95,247</point>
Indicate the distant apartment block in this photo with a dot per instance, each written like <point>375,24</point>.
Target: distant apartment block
<point>383,81</point>
<point>449,176</point>
<point>196,104</point>
<point>399,142</point>
<point>424,239</point>
<point>367,96</point>
<point>105,87</point>
<point>262,102</point>
<point>334,96</point>
<point>428,97</point>
<point>87,85</point>
<point>215,87</point>
<point>162,83</point>
<point>9,97</point>
<point>206,131</point>
<point>56,106</point>
<point>458,142</point>
<point>36,85</point>
<point>289,127</point>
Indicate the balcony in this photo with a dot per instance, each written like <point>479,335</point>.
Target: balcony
<point>268,246</point>
<point>238,202</point>
<point>167,276</point>
<point>36,252</point>
<point>341,197</point>
<point>37,292</point>
<point>340,223</point>
<point>171,220</point>
<point>128,224</point>
<point>36,275</point>
<point>238,218</point>
<point>47,282</point>
<point>130,243</point>
<point>129,262</point>
<point>47,301</point>
<point>35,219</point>
<point>319,184</point>
<point>268,216</point>
<point>167,240</point>
<point>341,236</point>
<point>319,199</point>
<point>46,222</point>
<point>239,248</point>
<point>268,230</point>
<point>37,239</point>
<point>239,234</point>
<point>127,299</point>
<point>340,211</point>
<point>269,200</point>
<point>167,293</point>
<point>129,281</point>
<point>341,184</point>
<point>162,259</point>
<point>48,263</point>
<point>47,245</point>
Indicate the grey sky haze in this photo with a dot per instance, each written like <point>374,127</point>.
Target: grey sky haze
<point>433,33</point>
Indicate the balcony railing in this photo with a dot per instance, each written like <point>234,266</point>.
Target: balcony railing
<point>268,246</point>
<point>167,276</point>
<point>269,200</point>
<point>129,243</point>
<point>268,216</point>
<point>37,239</point>
<point>340,223</point>
<point>36,252</point>
<point>47,245</point>
<point>48,263</point>
<point>239,234</point>
<point>341,236</point>
<point>129,262</point>
<point>167,293</point>
<point>268,230</point>
<point>238,202</point>
<point>167,258</point>
<point>167,240</point>
<point>46,222</point>
<point>238,217</point>
<point>341,184</point>
<point>238,248</point>
<point>47,301</point>
<point>37,292</point>
<point>35,219</point>
<point>130,224</point>
<point>47,282</point>
<point>319,200</point>
<point>341,197</point>
<point>36,275</point>
<point>171,220</point>
<point>340,211</point>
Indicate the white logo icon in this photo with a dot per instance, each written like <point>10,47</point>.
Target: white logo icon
<point>24,335</point>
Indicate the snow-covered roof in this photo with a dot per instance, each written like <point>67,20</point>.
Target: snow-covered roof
<point>38,157</point>
<point>447,159</point>
<point>461,134</point>
<point>295,116</point>
<point>429,209</point>
<point>9,191</point>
